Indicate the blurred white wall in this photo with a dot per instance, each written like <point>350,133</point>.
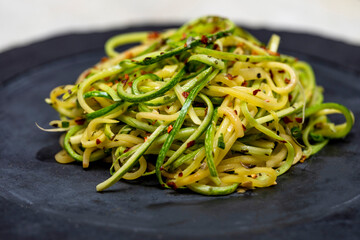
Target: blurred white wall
<point>25,21</point>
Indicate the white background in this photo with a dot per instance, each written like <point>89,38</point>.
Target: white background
<point>26,21</point>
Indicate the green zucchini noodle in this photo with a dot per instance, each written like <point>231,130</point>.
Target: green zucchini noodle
<point>206,107</point>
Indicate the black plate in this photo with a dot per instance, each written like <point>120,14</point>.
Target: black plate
<point>42,199</point>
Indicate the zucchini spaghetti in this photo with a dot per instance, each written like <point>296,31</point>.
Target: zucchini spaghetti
<point>206,107</point>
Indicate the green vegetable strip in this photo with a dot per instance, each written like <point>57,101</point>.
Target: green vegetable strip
<point>97,94</point>
<point>243,58</point>
<point>274,42</point>
<point>181,134</point>
<point>240,147</point>
<point>209,146</point>
<point>178,123</point>
<point>136,123</point>
<point>103,111</point>
<point>67,146</point>
<point>340,130</point>
<point>206,59</point>
<point>109,90</point>
<point>211,190</point>
<point>122,39</point>
<point>131,161</point>
<point>183,159</point>
<point>312,149</point>
<point>153,94</point>
<point>187,88</point>
<point>268,132</point>
<point>136,82</point>
<point>205,123</point>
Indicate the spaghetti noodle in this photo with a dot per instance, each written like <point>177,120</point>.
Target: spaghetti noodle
<point>206,106</point>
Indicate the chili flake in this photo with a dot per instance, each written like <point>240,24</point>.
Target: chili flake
<point>256,91</point>
<point>190,144</point>
<point>287,120</point>
<point>79,121</point>
<point>185,94</point>
<point>298,119</point>
<point>229,76</point>
<point>170,128</point>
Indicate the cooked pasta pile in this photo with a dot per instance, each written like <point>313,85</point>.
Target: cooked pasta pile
<point>206,106</point>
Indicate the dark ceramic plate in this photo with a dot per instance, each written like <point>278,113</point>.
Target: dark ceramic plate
<point>41,199</point>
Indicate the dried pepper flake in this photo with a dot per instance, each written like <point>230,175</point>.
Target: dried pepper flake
<point>256,91</point>
<point>190,144</point>
<point>287,120</point>
<point>185,94</point>
<point>170,128</point>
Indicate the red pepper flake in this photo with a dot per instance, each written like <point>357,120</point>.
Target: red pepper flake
<point>243,126</point>
<point>126,76</point>
<point>303,158</point>
<point>229,76</point>
<point>185,94</point>
<point>185,45</point>
<point>287,81</point>
<point>79,121</point>
<point>256,91</point>
<point>204,39</point>
<point>180,174</point>
<point>287,120</point>
<point>244,83</point>
<point>267,100</point>
<point>235,111</point>
<point>190,144</point>
<point>98,141</point>
<point>282,141</point>
<point>153,123</point>
<point>290,97</point>
<point>281,71</point>
<point>183,36</point>
<point>145,139</point>
<point>172,185</point>
<point>104,59</point>
<point>298,119</point>
<point>170,128</point>
<point>143,72</point>
<point>130,83</point>
<point>124,82</point>
<point>153,35</point>
<point>216,47</point>
<point>161,168</point>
